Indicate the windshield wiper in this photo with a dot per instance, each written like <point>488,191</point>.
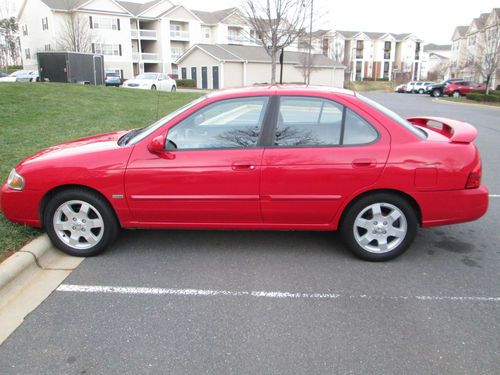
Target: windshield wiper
<point>124,139</point>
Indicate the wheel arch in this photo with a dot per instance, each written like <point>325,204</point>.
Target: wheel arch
<point>58,189</point>
<point>413,203</point>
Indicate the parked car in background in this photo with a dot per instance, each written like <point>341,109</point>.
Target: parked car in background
<point>113,79</point>
<point>2,74</point>
<point>266,157</point>
<point>462,88</point>
<point>437,89</point>
<point>410,85</point>
<point>21,76</point>
<point>400,88</point>
<point>421,87</point>
<point>151,81</point>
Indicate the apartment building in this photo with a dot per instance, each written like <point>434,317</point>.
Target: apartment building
<point>435,61</point>
<point>370,55</point>
<point>133,37</point>
<point>471,44</point>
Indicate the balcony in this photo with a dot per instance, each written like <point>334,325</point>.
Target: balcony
<point>144,34</point>
<point>179,35</point>
<point>145,57</point>
<point>237,39</point>
<point>174,55</point>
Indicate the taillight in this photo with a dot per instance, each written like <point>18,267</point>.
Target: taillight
<point>474,179</point>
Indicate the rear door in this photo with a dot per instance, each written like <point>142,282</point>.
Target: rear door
<point>322,153</point>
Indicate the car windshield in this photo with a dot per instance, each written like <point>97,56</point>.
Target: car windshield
<point>394,116</point>
<point>137,135</point>
<point>147,76</point>
<point>114,75</point>
<point>19,73</point>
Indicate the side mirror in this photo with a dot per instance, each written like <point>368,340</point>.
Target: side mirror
<point>157,145</point>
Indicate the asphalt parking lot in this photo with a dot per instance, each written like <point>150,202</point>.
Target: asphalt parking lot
<point>280,302</point>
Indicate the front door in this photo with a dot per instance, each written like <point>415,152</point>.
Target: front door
<point>204,77</point>
<point>215,77</point>
<point>194,76</point>
<point>322,152</point>
<point>211,173</point>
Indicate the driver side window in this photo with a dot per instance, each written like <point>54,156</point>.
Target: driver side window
<point>232,123</point>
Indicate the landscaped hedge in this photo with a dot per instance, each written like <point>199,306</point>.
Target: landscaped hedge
<point>186,83</point>
<point>484,98</point>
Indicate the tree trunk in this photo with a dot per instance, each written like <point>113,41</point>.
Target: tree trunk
<point>273,66</point>
<point>488,79</point>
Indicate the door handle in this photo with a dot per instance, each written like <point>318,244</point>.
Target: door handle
<point>364,163</point>
<point>243,167</point>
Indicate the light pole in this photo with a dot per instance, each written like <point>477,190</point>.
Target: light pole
<point>309,62</point>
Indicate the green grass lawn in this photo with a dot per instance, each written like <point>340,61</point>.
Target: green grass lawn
<point>463,99</point>
<point>37,115</point>
<point>369,86</point>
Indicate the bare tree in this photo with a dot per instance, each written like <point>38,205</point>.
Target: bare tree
<point>307,65</point>
<point>438,72</point>
<point>486,61</point>
<point>278,23</point>
<point>9,34</point>
<point>75,34</point>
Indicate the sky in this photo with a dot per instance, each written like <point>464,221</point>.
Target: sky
<point>432,20</point>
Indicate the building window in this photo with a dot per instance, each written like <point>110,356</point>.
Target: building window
<point>359,49</point>
<point>47,47</point>
<point>104,23</point>
<point>25,30</point>
<point>45,23</point>
<point>386,69</point>
<point>206,32</point>
<point>417,50</point>
<point>472,40</point>
<point>176,52</point>
<point>107,49</point>
<point>387,50</point>
<point>27,53</point>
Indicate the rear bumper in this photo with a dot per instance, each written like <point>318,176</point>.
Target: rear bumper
<point>21,206</point>
<point>452,207</point>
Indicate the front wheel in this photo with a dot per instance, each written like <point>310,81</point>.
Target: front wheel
<point>379,227</point>
<point>436,93</point>
<point>421,91</point>
<point>80,222</point>
<point>153,87</point>
<point>173,89</point>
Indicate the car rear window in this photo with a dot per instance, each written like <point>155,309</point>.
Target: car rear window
<point>394,116</point>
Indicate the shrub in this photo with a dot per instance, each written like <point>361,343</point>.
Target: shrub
<point>478,97</point>
<point>186,83</point>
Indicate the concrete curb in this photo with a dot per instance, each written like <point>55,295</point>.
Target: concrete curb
<point>27,278</point>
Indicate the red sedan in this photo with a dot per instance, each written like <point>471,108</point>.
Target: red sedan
<point>282,158</point>
<point>462,88</point>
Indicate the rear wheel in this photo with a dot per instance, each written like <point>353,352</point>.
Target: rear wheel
<point>456,94</point>
<point>421,91</point>
<point>80,222</point>
<point>153,87</point>
<point>379,227</point>
<point>173,89</point>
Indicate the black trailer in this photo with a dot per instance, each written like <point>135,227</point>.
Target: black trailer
<point>74,67</point>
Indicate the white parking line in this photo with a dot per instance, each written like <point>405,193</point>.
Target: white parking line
<point>494,195</point>
<point>257,294</point>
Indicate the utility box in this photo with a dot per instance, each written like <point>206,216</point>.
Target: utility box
<point>73,67</point>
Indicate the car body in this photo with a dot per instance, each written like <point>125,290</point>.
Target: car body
<point>437,89</point>
<point>21,76</point>
<point>421,87</point>
<point>409,86</point>
<point>113,79</point>
<point>151,81</point>
<point>400,88</point>
<point>462,88</point>
<point>267,157</point>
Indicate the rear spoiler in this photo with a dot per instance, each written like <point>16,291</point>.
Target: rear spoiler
<point>456,131</point>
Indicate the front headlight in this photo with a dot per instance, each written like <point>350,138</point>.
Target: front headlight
<point>15,181</point>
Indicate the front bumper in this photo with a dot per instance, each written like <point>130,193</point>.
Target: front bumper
<point>452,207</point>
<point>21,206</point>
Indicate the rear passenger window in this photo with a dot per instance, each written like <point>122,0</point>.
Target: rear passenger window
<point>357,130</point>
<point>316,122</point>
<point>308,122</point>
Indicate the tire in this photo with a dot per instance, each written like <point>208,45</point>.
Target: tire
<point>76,232</point>
<point>362,222</point>
<point>173,89</point>
<point>456,94</point>
<point>421,91</point>
<point>436,93</point>
<point>153,87</point>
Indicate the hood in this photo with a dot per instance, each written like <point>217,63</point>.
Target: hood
<point>83,149</point>
<point>139,81</point>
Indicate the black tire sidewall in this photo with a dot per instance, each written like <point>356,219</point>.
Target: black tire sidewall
<point>346,226</point>
<point>104,208</point>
